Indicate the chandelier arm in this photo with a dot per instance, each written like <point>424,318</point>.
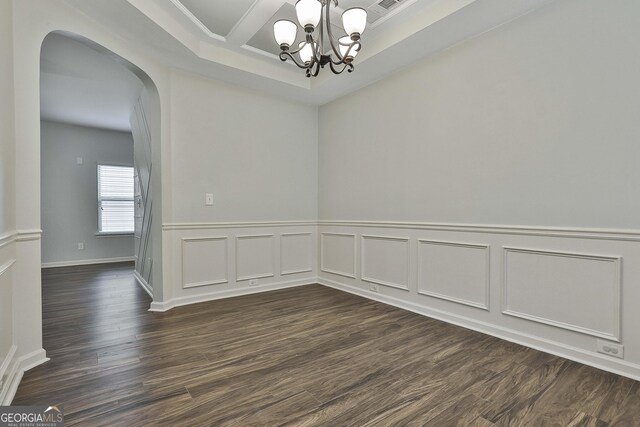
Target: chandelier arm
<point>317,57</point>
<point>317,52</point>
<point>353,45</point>
<point>317,70</point>
<point>330,34</point>
<point>285,55</point>
<point>346,54</point>
<point>347,66</point>
<point>293,52</point>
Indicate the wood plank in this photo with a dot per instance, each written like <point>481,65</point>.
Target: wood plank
<point>306,356</point>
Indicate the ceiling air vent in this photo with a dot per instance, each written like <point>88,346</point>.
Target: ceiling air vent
<point>380,8</point>
<point>387,4</point>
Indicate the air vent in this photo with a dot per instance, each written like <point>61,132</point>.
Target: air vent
<point>387,4</point>
<point>381,8</point>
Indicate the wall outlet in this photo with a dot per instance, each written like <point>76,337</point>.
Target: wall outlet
<point>373,287</point>
<point>611,349</point>
<point>253,282</point>
<point>80,246</point>
<point>79,160</point>
<point>208,199</point>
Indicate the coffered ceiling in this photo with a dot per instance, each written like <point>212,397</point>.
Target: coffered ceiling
<point>232,40</point>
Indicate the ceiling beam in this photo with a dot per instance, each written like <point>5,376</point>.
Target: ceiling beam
<point>253,20</point>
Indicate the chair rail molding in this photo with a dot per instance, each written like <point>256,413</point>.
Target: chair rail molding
<point>215,225</point>
<point>580,233</point>
<point>19,236</point>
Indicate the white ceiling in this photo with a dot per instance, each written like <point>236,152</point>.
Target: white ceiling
<point>82,86</point>
<point>232,40</point>
<point>218,16</point>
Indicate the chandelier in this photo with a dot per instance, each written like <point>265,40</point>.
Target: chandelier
<point>311,52</point>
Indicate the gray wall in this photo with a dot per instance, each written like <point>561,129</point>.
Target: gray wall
<point>533,123</point>
<point>69,191</point>
<point>7,184</point>
<point>7,153</point>
<point>257,154</point>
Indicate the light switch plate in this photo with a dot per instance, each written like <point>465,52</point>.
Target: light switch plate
<point>208,199</point>
<point>79,160</point>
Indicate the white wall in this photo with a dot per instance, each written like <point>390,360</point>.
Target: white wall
<point>37,19</point>
<point>69,192</point>
<point>495,185</point>
<point>145,220</point>
<point>258,156</point>
<point>497,130</point>
<point>7,154</point>
<point>533,123</point>
<point>7,204</point>
<point>197,121</point>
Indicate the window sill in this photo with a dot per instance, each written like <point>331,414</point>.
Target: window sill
<point>99,234</point>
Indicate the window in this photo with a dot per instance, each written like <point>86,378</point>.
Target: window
<point>115,199</point>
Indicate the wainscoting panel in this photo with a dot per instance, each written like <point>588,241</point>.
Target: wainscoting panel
<point>579,292</point>
<point>338,254</point>
<point>254,256</point>
<point>7,348</point>
<point>20,309</point>
<point>385,261</point>
<point>557,290</point>
<point>296,253</point>
<point>238,258</point>
<point>204,261</point>
<point>457,272</point>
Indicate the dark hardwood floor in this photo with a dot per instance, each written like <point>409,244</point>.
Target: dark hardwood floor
<point>304,356</point>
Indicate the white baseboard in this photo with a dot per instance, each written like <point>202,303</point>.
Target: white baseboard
<point>228,293</point>
<point>87,262</point>
<point>16,370</point>
<point>579,355</point>
<point>143,283</point>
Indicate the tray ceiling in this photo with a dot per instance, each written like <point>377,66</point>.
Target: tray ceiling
<point>232,40</point>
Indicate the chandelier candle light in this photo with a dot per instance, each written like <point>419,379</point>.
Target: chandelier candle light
<point>311,52</point>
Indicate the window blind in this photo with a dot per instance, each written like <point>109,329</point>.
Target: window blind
<point>115,199</point>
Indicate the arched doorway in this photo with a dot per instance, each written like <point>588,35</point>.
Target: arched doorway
<point>141,120</point>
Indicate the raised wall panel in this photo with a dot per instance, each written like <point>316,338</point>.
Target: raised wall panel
<point>254,256</point>
<point>452,271</point>
<point>296,253</point>
<point>338,254</point>
<point>385,261</point>
<point>574,291</point>
<point>204,261</point>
